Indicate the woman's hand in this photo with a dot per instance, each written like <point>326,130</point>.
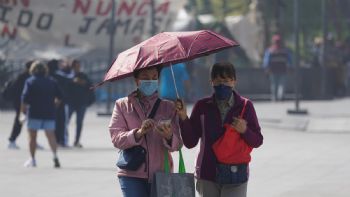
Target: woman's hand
<point>240,125</point>
<point>181,109</point>
<point>165,131</point>
<point>147,125</point>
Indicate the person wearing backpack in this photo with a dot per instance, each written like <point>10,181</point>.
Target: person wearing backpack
<point>211,117</point>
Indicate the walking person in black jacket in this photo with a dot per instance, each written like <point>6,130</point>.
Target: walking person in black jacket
<point>16,91</point>
<point>64,77</point>
<point>80,98</point>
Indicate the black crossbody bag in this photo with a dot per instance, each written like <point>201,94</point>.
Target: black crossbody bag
<point>132,158</point>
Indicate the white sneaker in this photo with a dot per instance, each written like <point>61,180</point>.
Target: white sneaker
<point>13,145</point>
<point>30,163</point>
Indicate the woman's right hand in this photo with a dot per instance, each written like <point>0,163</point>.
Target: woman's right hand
<point>181,109</point>
<point>146,126</point>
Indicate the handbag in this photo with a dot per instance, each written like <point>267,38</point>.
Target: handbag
<point>132,158</point>
<point>231,174</point>
<point>173,184</point>
<point>233,155</point>
<point>230,148</point>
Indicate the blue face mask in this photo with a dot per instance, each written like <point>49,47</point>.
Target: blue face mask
<point>222,91</point>
<point>148,87</point>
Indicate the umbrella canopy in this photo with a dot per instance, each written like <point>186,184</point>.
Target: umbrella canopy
<point>167,48</point>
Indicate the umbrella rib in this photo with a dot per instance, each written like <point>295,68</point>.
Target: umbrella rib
<point>218,36</point>
<point>183,49</point>
<point>138,55</point>
<point>189,51</point>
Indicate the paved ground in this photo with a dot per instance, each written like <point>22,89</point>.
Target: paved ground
<point>301,156</point>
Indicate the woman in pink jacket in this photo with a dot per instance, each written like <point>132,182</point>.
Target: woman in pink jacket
<point>130,126</point>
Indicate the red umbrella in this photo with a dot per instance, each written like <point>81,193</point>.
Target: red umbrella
<point>165,49</point>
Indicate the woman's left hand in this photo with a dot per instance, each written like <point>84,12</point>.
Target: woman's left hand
<point>240,125</point>
<point>165,131</point>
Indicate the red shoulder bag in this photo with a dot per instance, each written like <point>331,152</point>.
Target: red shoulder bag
<point>230,148</point>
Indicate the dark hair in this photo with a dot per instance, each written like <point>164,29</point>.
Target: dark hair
<point>137,72</point>
<point>223,69</point>
<point>75,61</point>
<point>28,64</point>
<point>53,66</point>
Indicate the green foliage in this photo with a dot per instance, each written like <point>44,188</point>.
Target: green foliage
<point>219,8</point>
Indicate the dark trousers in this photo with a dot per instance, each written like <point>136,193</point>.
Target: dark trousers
<point>17,126</point>
<point>61,124</point>
<point>134,187</point>
<point>80,113</point>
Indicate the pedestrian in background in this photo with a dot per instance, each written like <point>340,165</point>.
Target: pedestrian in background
<point>81,98</point>
<point>40,94</point>
<point>16,92</point>
<point>64,77</point>
<point>206,125</point>
<point>277,62</point>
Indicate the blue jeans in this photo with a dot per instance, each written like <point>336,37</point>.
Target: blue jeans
<point>277,86</point>
<point>80,110</point>
<point>134,187</point>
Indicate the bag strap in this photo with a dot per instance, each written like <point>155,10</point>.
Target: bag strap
<point>182,168</point>
<point>244,107</point>
<point>166,162</point>
<point>154,109</point>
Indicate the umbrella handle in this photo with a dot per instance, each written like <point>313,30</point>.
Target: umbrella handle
<point>172,73</point>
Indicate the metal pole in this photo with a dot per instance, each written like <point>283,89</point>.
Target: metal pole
<point>296,60</point>
<point>108,111</point>
<point>296,57</point>
<point>174,80</point>
<point>324,48</point>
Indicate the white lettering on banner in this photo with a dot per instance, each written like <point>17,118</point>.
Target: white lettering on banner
<point>84,23</point>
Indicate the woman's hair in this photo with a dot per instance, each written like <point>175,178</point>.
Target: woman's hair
<point>75,61</point>
<point>38,68</point>
<point>137,72</point>
<point>223,69</point>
